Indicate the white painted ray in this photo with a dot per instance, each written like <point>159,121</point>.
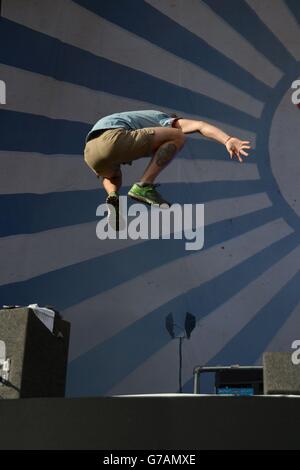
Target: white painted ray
<point>160,285</point>
<point>198,18</point>
<point>287,334</point>
<point>279,19</point>
<point>159,374</point>
<point>24,172</point>
<point>122,48</point>
<point>39,250</point>
<point>52,250</point>
<point>68,101</point>
<point>202,170</point>
<point>225,209</point>
<point>215,330</point>
<point>77,103</point>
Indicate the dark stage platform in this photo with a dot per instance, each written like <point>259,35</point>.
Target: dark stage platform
<point>156,422</point>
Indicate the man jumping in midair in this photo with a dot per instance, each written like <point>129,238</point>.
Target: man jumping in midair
<point>124,137</point>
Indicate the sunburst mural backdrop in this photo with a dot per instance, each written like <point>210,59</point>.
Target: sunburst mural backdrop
<point>229,62</point>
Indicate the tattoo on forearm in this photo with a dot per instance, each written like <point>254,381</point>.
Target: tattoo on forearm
<point>165,154</point>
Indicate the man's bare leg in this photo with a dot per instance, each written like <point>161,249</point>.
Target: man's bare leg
<point>112,181</point>
<point>166,143</point>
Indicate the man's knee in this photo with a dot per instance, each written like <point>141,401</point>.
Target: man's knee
<point>166,134</point>
<point>112,174</point>
<point>179,138</point>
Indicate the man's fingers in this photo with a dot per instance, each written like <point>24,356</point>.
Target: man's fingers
<point>244,153</point>
<point>237,154</point>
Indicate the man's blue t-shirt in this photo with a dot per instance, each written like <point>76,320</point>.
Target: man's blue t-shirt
<point>132,120</point>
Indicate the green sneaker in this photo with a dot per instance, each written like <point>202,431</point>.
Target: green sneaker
<point>115,219</point>
<point>149,195</point>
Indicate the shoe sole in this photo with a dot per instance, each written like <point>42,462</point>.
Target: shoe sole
<point>114,202</point>
<point>147,201</point>
<point>120,225</point>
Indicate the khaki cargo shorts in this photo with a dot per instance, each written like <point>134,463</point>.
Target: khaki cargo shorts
<point>116,146</point>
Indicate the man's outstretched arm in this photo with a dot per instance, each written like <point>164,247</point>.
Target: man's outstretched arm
<point>233,145</point>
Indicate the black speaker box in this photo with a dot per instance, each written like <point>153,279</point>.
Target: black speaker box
<point>281,376</point>
<point>38,357</point>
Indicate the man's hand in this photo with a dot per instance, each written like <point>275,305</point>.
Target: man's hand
<point>235,147</point>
